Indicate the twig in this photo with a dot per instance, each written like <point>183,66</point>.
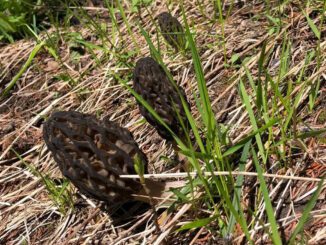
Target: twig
<point>194,174</point>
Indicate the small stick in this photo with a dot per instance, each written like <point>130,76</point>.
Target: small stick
<point>194,174</point>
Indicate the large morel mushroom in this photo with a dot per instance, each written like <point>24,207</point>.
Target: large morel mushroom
<point>172,30</point>
<point>153,84</point>
<point>93,153</point>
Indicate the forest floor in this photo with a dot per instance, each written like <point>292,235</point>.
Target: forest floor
<point>74,70</point>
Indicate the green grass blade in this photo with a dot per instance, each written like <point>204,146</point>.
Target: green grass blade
<point>250,78</point>
<point>306,212</point>
<point>311,133</point>
<point>252,118</point>
<point>312,26</point>
<point>206,113</point>
<point>259,89</point>
<point>23,69</point>
<point>60,195</point>
<point>125,20</point>
<point>268,204</point>
<point>242,142</point>
<point>300,93</point>
<point>197,223</point>
<point>237,192</point>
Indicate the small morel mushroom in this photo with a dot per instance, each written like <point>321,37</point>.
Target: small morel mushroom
<point>152,83</point>
<point>93,153</point>
<point>172,30</point>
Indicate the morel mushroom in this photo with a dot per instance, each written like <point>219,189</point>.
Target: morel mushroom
<point>172,30</point>
<point>93,153</point>
<point>152,83</point>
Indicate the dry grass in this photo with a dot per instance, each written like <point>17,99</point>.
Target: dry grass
<point>29,215</point>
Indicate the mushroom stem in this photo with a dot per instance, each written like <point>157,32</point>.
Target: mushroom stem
<point>156,190</point>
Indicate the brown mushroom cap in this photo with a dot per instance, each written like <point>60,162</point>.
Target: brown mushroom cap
<point>152,83</point>
<point>171,30</point>
<point>93,153</point>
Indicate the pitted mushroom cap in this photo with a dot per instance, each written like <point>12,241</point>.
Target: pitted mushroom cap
<point>171,30</point>
<point>152,83</point>
<point>93,153</point>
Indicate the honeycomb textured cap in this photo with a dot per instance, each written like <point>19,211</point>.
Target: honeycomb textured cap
<point>93,153</point>
<point>171,30</point>
<point>152,83</point>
